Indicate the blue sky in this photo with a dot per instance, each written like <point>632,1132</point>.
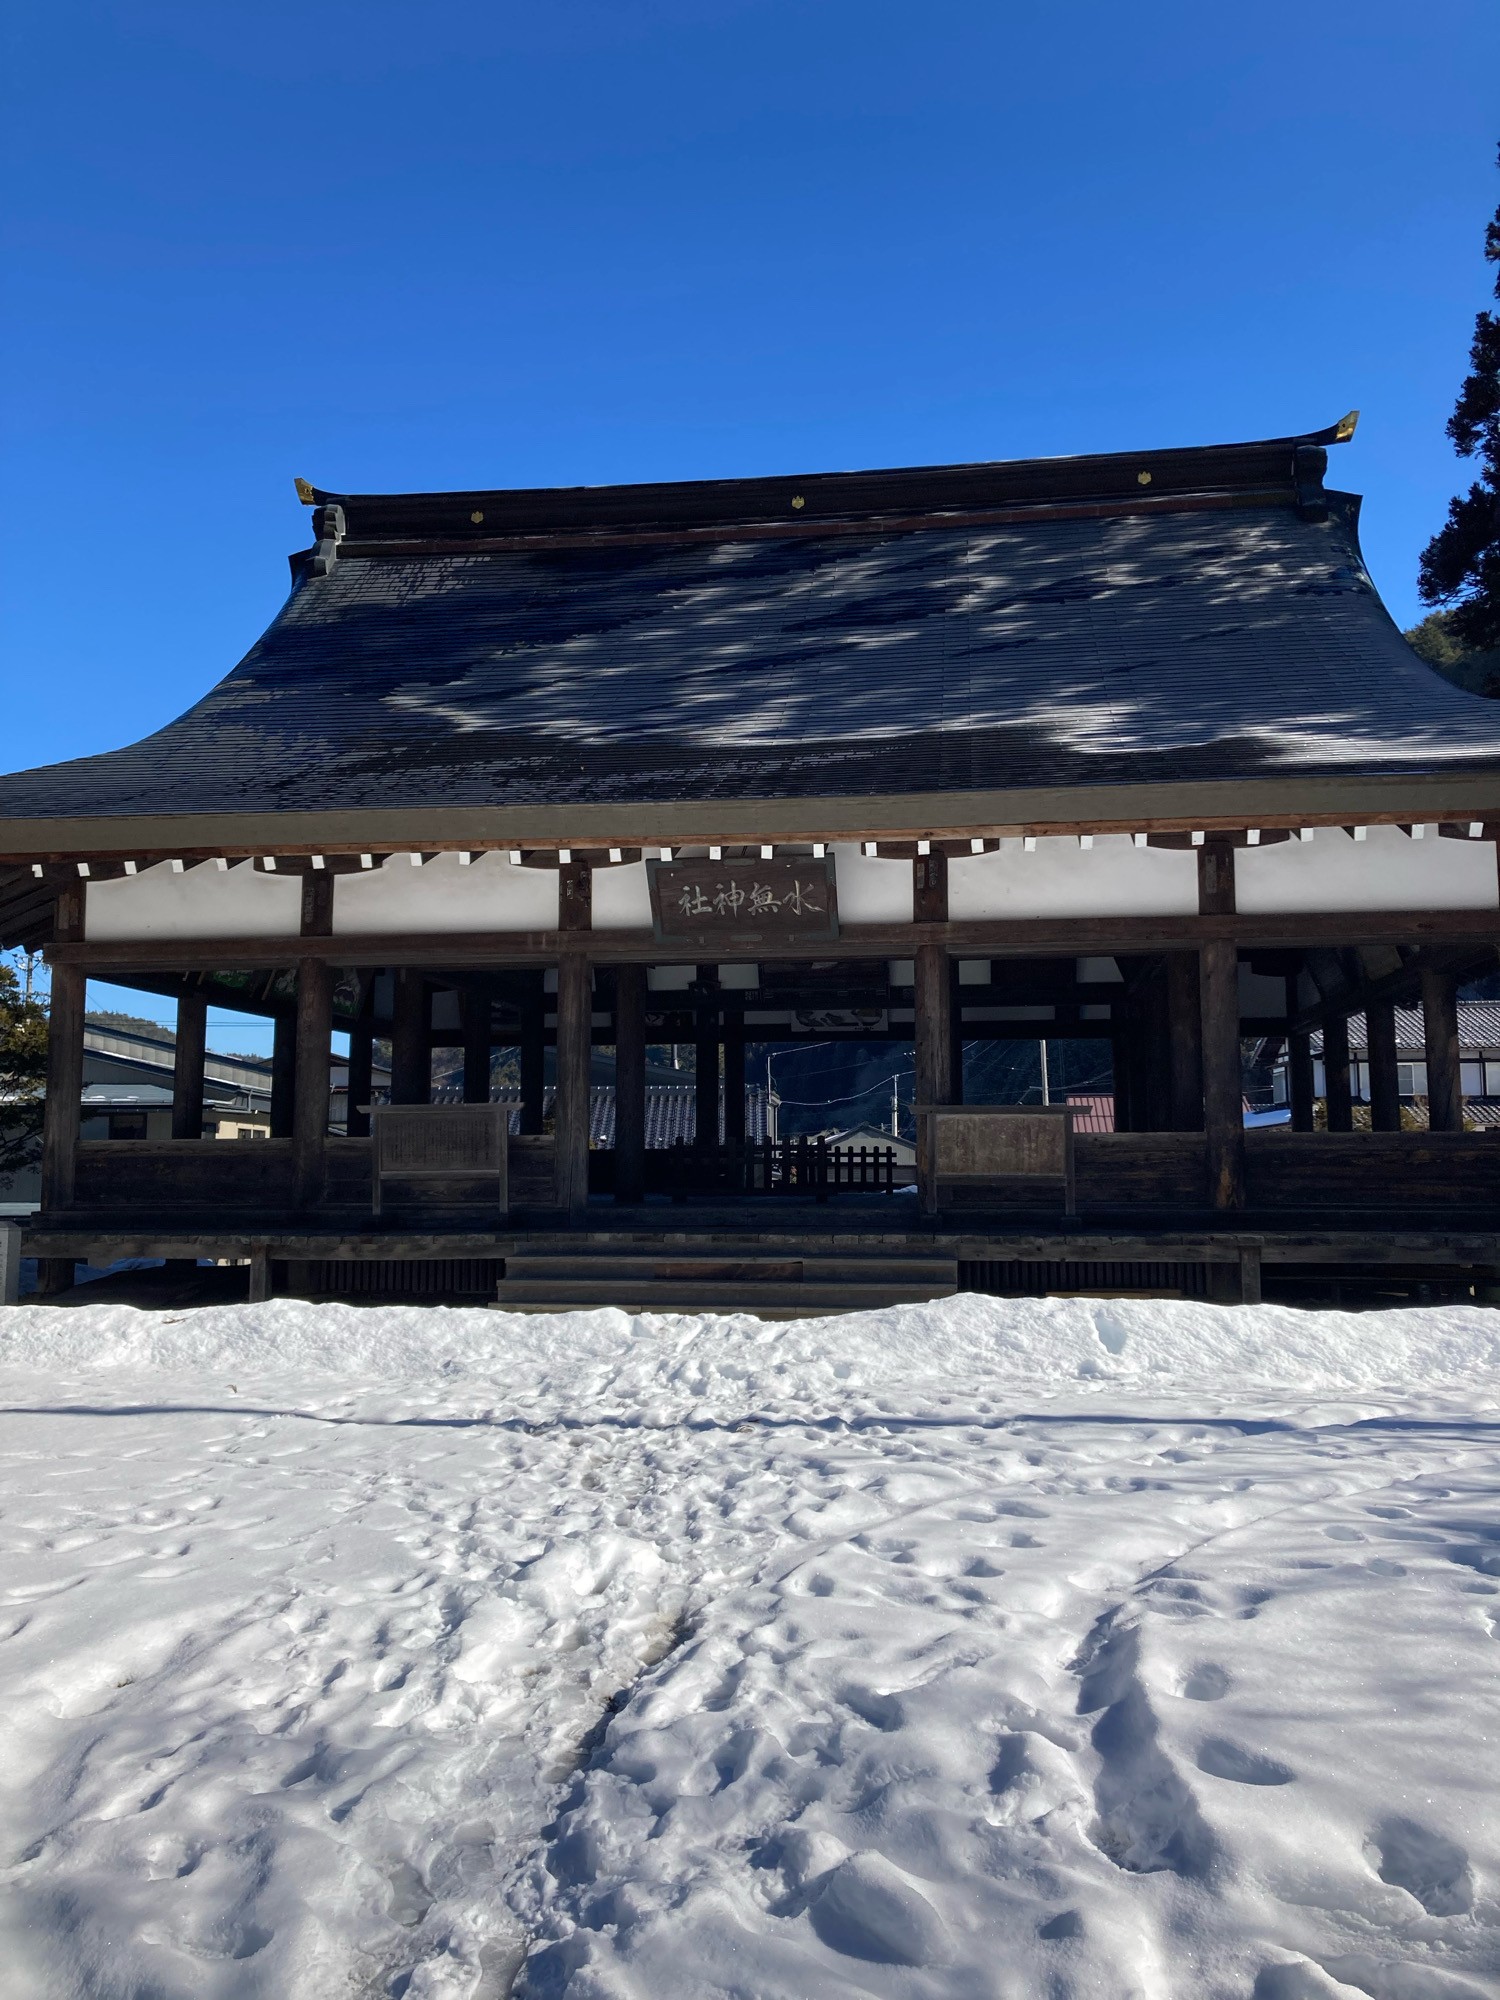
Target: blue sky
<point>406,246</point>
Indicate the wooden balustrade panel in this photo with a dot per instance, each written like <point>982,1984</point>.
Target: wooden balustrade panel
<point>533,1171</point>
<point>225,1176</point>
<point>1146,1170</point>
<point>1385,1170</point>
<point>1140,1169</point>
<point>346,1176</point>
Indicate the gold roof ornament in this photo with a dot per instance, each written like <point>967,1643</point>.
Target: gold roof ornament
<point>305,493</point>
<point>1345,428</point>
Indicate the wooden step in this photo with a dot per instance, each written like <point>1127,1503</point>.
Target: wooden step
<point>689,1295</point>
<point>733,1268</point>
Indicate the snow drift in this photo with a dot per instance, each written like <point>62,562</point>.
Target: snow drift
<point>1063,1647</point>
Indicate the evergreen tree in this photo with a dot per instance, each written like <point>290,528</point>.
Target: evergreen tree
<point>1461,564</point>
<point>23,1071</point>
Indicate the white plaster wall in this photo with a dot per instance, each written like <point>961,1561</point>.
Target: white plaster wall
<point>1384,871</point>
<point>1113,878</point>
<point>622,898</point>
<point>871,889</point>
<point>491,894</point>
<point>201,902</point>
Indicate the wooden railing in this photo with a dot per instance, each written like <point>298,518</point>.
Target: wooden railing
<point>1287,1173</point>
<point>771,1166</point>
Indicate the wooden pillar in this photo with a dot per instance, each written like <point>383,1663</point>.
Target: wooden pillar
<point>474,1009</point>
<point>1299,1063</point>
<point>934,1059</point>
<point>706,1059</point>
<point>187,1066</point>
<point>64,1089</point>
<point>630,1083</point>
<point>1185,1054</point>
<point>1445,1102</point>
<point>575,1004</point>
<point>1337,1092</point>
<point>1385,1074</point>
<point>283,1075</point>
<point>1301,1081</point>
<point>260,1274</point>
<point>1250,1288</point>
<point>361,1070</point>
<point>310,1099</point>
<point>1122,1076</point>
<point>411,1040</point>
<point>1223,1090</point>
<point>533,1054</point>
<point>63,1106</point>
<point>734,1082</point>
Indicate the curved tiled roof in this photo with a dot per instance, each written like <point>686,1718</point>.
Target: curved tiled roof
<point>1062,623</point>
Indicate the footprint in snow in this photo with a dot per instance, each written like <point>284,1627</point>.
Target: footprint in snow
<point>1206,1682</point>
<point>868,1909</point>
<point>1220,1758</point>
<point>1066,1924</point>
<point>1425,1863</point>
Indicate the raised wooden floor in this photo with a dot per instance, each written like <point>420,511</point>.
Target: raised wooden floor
<point>777,1259</point>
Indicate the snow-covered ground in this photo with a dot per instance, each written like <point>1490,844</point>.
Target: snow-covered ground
<point>977,1649</point>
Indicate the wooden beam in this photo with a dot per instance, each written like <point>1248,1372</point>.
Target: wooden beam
<point>314,1031</point>
<point>1020,937</point>
<point>1223,1089</point>
<point>64,1087</point>
<point>1445,1103</point>
<point>1385,1073</point>
<point>930,888</point>
<point>575,897</point>
<point>1216,879</point>
<point>187,1064</point>
<point>933,1057</point>
<point>317,904</point>
<point>1376,1243</point>
<point>1177,805</point>
<point>571,1119</point>
<point>630,1083</point>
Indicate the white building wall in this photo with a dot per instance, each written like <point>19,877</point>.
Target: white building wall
<point>204,901</point>
<point>1062,878</point>
<point>870,888</point>
<point>490,894</point>
<point>1385,871</point>
<point>622,898</point>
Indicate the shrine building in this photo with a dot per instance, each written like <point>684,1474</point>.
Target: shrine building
<point>1122,748</point>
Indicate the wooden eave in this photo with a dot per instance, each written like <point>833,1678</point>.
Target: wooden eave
<point>1215,806</point>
